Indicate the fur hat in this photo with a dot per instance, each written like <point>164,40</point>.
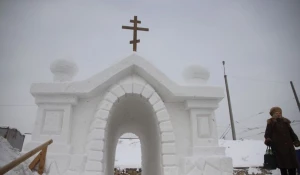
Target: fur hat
<point>275,109</point>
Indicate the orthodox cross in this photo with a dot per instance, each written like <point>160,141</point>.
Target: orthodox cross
<point>135,28</point>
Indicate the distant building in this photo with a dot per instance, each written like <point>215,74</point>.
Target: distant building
<point>13,136</point>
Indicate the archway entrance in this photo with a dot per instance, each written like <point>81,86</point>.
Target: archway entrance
<point>134,114</point>
<point>132,106</point>
<point>128,154</point>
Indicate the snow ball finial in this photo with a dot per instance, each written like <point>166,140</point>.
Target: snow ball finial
<point>63,70</point>
<point>196,75</point>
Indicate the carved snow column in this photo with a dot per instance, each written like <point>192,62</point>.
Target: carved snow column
<point>54,118</point>
<point>203,127</point>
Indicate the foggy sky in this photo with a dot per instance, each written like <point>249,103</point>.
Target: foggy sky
<point>259,40</point>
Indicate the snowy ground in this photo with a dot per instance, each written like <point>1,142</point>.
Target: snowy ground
<point>246,153</point>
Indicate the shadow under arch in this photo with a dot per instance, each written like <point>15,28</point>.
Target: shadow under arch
<point>134,114</point>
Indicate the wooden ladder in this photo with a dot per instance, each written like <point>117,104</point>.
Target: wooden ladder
<point>40,158</point>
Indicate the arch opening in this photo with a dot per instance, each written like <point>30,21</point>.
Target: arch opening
<point>128,153</point>
<point>134,114</point>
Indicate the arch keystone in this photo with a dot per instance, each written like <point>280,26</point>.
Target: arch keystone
<point>137,88</point>
<point>138,80</point>
<point>127,84</point>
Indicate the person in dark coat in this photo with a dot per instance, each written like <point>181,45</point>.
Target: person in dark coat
<point>282,139</point>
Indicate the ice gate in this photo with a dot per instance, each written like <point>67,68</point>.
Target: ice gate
<point>175,124</point>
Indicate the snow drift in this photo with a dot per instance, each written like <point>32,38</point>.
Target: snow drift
<point>8,154</point>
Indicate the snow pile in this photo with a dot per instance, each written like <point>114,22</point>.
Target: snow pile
<point>254,171</point>
<point>8,154</point>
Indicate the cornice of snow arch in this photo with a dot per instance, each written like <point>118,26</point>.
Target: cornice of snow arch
<point>133,64</point>
<point>96,137</point>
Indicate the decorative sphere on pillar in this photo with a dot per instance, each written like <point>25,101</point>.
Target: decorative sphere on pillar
<point>196,75</point>
<point>63,70</point>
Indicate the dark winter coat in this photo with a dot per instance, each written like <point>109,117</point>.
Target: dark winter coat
<point>282,138</point>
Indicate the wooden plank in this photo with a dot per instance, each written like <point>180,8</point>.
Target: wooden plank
<point>35,161</point>
<point>127,27</point>
<point>42,161</point>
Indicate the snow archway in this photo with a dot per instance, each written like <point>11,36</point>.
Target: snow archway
<point>110,122</point>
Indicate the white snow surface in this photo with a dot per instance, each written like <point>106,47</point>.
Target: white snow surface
<point>8,154</point>
<point>245,153</point>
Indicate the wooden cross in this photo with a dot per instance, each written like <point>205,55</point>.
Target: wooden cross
<point>135,28</point>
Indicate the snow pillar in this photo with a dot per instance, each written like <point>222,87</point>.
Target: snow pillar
<point>54,118</point>
<point>206,157</point>
<point>202,120</point>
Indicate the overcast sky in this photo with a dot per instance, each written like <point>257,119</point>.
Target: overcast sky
<point>259,40</point>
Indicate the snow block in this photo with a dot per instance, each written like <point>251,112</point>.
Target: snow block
<point>214,161</point>
<point>93,166</point>
<point>168,148</point>
<point>169,160</point>
<point>148,91</point>
<point>106,105</point>
<point>98,124</point>
<point>77,163</point>
<point>210,169</point>
<point>167,137</point>
<point>96,145</point>
<point>166,126</point>
<point>93,173</point>
<point>95,155</point>
<point>96,134</point>
<point>110,97</point>
<point>117,90</point>
<point>159,106</point>
<point>154,98</point>
<point>102,114</point>
<point>127,88</point>
<point>162,115</point>
<point>137,88</point>
<point>226,165</point>
<point>171,170</point>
